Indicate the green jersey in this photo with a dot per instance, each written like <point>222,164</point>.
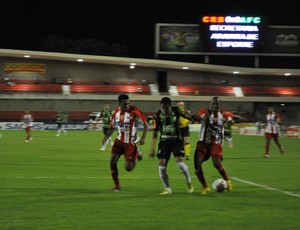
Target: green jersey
<point>105,116</point>
<point>168,124</point>
<point>59,118</point>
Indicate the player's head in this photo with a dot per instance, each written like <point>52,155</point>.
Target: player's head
<point>123,102</point>
<point>180,104</point>
<point>165,104</point>
<point>215,104</point>
<point>106,107</point>
<point>123,97</point>
<point>271,110</point>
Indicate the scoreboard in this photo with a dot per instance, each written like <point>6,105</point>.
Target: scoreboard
<point>223,33</point>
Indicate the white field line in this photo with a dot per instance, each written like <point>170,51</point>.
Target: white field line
<point>108,177</point>
<point>265,187</point>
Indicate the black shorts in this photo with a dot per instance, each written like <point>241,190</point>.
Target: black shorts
<point>227,134</point>
<point>105,130</point>
<point>185,131</point>
<point>165,148</point>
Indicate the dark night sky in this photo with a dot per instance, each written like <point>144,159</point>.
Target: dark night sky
<point>130,23</point>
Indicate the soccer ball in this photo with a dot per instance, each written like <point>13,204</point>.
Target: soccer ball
<point>219,185</point>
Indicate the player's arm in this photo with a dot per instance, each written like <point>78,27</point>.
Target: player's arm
<point>185,113</point>
<point>146,125</point>
<point>109,132</point>
<point>229,116</point>
<point>154,137</point>
<point>153,143</point>
<point>202,114</point>
<point>278,118</point>
<point>145,131</point>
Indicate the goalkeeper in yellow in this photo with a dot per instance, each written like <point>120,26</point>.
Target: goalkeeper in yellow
<point>184,131</point>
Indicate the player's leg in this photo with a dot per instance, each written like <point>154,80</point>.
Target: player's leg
<point>217,157</point>
<point>130,156</point>
<point>178,150</point>
<point>114,171</point>
<point>164,153</point>
<point>105,130</point>
<point>116,152</point>
<point>187,147</point>
<point>276,140</point>
<point>267,145</point>
<point>199,157</point>
<point>58,129</point>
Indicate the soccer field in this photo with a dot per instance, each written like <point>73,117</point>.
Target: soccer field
<point>64,183</point>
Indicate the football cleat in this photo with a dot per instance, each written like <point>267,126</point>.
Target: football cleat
<point>206,190</point>
<point>190,188</point>
<point>266,156</point>
<point>116,189</point>
<point>102,149</point>
<point>229,185</point>
<point>166,191</point>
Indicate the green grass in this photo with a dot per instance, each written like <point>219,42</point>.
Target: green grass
<point>64,183</point>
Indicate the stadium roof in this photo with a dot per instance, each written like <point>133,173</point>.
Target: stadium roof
<point>148,63</point>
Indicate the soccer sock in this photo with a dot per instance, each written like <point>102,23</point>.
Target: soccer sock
<point>200,176</point>
<point>185,170</point>
<point>187,149</point>
<point>105,144</point>
<point>164,176</point>
<point>115,175</point>
<point>110,140</point>
<point>267,147</point>
<point>222,171</point>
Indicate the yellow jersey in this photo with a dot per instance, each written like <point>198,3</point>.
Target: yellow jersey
<point>183,122</point>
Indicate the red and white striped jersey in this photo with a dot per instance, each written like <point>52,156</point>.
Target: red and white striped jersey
<point>212,128</point>
<point>126,123</point>
<point>273,120</point>
<point>28,120</point>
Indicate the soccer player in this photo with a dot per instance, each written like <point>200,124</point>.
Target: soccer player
<point>210,141</point>
<point>124,118</point>
<point>105,117</point>
<point>27,118</point>
<point>228,131</point>
<point>60,118</point>
<point>184,130</point>
<point>167,123</point>
<point>272,131</point>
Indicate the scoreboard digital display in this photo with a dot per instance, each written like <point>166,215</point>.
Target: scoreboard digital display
<point>232,33</point>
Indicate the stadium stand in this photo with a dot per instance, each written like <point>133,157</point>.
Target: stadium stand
<point>28,88</point>
<point>196,88</point>
<point>205,90</point>
<point>42,116</point>
<point>110,88</point>
<point>271,91</point>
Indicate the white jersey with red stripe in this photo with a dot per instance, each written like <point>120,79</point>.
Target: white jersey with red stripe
<point>28,120</point>
<point>273,120</point>
<point>126,123</point>
<point>212,128</point>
